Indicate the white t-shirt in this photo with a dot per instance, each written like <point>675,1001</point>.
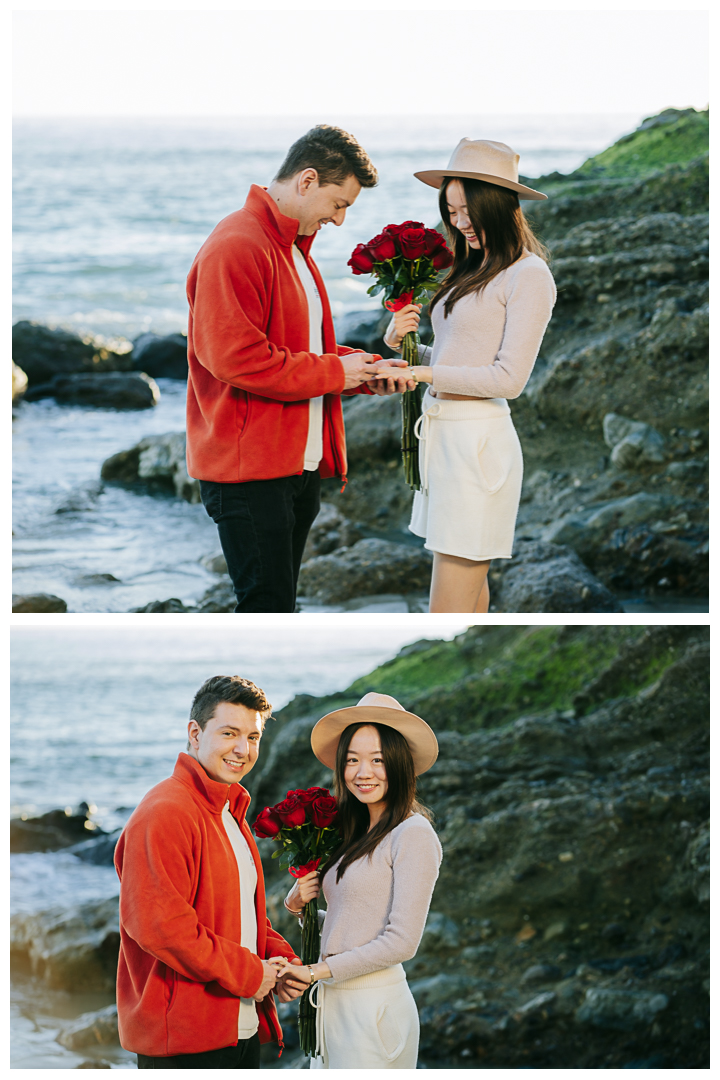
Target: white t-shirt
<point>313,447</point>
<point>248,1018</point>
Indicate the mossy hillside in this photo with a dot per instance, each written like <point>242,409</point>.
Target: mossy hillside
<point>671,138</point>
<point>540,669</point>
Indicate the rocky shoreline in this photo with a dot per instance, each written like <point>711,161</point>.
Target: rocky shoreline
<point>613,423</point>
<point>569,927</point>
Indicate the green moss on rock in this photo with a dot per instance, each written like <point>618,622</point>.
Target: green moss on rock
<point>673,137</point>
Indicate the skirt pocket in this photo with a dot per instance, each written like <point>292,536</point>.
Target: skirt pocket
<point>494,462</point>
<point>389,1032</point>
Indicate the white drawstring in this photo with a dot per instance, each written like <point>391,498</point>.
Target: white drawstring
<point>431,410</point>
<point>319,991</point>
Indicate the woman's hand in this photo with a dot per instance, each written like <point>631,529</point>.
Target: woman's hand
<point>404,321</point>
<point>407,380</point>
<point>305,889</point>
<point>396,378</point>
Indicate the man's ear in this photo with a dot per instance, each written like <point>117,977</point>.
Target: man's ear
<point>306,179</point>
<point>194,730</point>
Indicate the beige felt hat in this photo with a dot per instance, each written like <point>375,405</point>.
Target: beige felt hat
<point>480,159</point>
<point>375,709</point>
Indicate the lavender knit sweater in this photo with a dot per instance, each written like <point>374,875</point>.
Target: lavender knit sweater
<point>376,913</point>
<point>488,344</point>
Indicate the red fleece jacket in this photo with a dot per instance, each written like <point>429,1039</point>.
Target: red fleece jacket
<point>182,969</point>
<point>250,372</point>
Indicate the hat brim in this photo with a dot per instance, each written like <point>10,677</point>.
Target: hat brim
<point>419,735</point>
<point>435,177</point>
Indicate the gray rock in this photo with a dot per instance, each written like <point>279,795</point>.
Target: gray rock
<point>440,934</point>
<point>588,530</point>
<point>441,988</point>
<point>116,390</point>
<point>51,831</point>
<point>687,470</point>
<point>547,577</point>
<point>363,330</point>
<point>621,1010</point>
<point>368,568</point>
<point>37,602</point>
<point>219,598</point>
<point>75,950</point>
<point>215,563</point>
<point>330,531</point>
<point>536,1004</point>
<point>633,443</point>
<point>156,459</point>
<point>163,357</point>
<point>43,352</point>
<point>19,383</point>
<point>91,1030</point>
<point>172,605</point>
<point>539,973</point>
<point>373,427</point>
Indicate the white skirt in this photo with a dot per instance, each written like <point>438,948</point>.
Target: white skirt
<point>471,471</point>
<point>370,1022</point>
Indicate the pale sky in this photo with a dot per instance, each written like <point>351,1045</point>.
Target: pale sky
<point>293,62</point>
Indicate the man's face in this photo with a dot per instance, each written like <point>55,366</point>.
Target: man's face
<point>228,747</point>
<point>317,206</point>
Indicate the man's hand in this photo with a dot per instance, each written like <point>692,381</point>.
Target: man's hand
<point>270,974</point>
<point>287,987</point>
<point>359,368</point>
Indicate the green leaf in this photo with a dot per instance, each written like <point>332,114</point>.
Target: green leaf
<point>374,290</point>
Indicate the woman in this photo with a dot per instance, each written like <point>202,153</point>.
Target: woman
<point>488,317</point>
<point>378,886</point>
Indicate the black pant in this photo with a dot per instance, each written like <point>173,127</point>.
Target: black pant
<point>244,1055</point>
<point>263,526</point>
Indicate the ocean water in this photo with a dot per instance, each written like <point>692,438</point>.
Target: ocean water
<point>108,216</point>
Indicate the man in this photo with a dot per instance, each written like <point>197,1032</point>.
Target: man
<point>194,982</point>
<point>264,416</point>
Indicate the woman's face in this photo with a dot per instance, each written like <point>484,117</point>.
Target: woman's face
<point>457,209</point>
<point>365,773</point>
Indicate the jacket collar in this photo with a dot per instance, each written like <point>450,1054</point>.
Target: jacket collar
<point>210,793</point>
<point>283,229</point>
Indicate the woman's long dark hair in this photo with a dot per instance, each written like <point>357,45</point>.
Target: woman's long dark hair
<point>495,211</point>
<point>354,816</point>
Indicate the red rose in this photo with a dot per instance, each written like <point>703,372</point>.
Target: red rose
<point>442,259</point>
<point>361,260</point>
<point>267,824</point>
<point>301,871</point>
<point>309,794</point>
<point>323,812</point>
<point>433,242</point>
<point>382,247</point>
<point>412,242</point>
<point>291,812</point>
<point>402,301</point>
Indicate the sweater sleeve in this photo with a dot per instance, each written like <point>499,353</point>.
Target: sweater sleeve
<point>156,886</point>
<point>229,301</point>
<point>416,857</point>
<point>529,300</point>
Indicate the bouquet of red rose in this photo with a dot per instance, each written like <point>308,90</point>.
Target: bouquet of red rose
<point>303,824</point>
<point>406,260</point>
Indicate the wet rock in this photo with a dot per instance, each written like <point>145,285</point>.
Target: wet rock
<point>74,950</point>
<point>215,563</point>
<point>98,851</point>
<point>633,443</point>
<point>37,602</point>
<point>91,1030</point>
<point>218,598</point>
<point>547,577</point>
<point>116,390</point>
<point>157,460</point>
<point>440,934</point>
<point>330,530</point>
<point>19,383</point>
<point>173,605</point>
<point>43,352</point>
<point>53,830</point>
<point>620,1010</point>
<point>368,568</point>
<point>540,973</point>
<point>162,356</point>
